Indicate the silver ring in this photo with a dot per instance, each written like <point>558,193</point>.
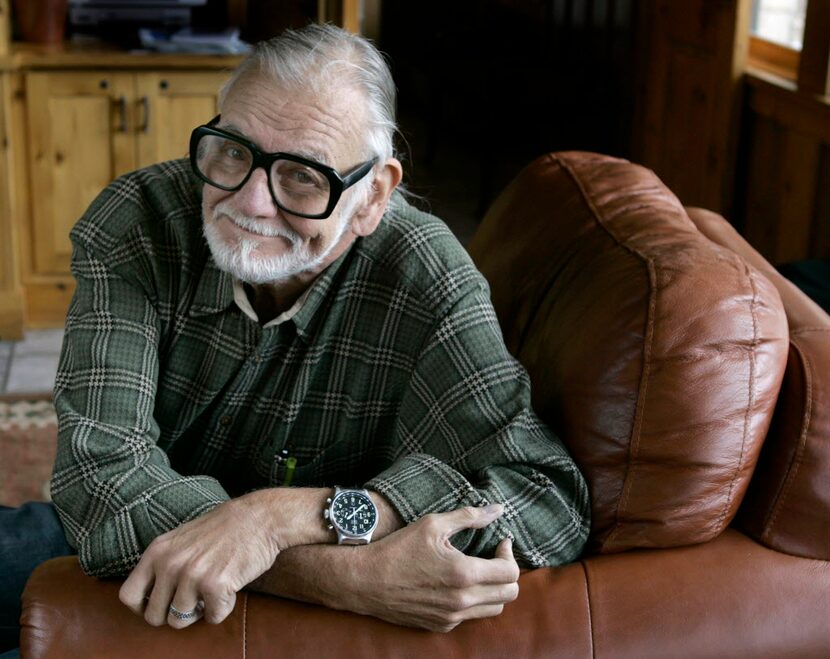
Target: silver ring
<point>184,615</point>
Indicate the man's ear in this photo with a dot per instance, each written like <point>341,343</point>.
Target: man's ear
<point>367,218</point>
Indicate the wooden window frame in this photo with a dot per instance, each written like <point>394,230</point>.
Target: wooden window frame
<point>808,68</point>
<point>773,58</point>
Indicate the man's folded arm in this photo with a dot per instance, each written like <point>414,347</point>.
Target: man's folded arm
<point>467,436</point>
<point>113,487</point>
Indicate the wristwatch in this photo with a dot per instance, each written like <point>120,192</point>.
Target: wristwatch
<point>353,514</point>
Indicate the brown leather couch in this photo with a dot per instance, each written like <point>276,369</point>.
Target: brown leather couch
<point>692,385</point>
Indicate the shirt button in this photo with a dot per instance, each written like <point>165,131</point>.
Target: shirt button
<point>225,420</point>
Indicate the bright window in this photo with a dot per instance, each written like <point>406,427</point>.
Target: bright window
<point>779,21</point>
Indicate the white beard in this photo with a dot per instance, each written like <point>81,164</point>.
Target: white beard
<point>241,258</point>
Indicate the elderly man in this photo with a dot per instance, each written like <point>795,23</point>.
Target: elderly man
<point>271,320</point>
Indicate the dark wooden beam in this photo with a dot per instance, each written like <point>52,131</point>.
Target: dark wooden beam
<point>814,68</point>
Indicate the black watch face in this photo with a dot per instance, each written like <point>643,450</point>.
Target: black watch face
<point>354,513</point>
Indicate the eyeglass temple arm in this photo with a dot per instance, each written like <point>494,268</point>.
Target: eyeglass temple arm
<point>357,174</point>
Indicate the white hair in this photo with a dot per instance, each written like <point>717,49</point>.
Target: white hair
<point>320,55</point>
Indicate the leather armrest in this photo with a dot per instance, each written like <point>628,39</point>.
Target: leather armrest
<point>68,614</point>
<point>730,597</point>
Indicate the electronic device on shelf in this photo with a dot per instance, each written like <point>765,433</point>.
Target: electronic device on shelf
<point>121,20</point>
<point>91,14</point>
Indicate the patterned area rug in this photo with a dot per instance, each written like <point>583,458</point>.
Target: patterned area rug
<point>28,434</point>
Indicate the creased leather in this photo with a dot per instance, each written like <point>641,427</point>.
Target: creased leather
<point>655,354</point>
<point>787,506</point>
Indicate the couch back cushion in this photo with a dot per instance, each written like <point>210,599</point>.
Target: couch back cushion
<point>787,506</point>
<point>655,354</point>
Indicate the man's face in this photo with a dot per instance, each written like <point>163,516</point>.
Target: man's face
<point>248,235</point>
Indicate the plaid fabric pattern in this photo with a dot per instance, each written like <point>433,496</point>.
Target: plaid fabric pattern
<point>392,375</point>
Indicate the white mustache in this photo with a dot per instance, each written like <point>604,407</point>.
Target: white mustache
<point>262,228</point>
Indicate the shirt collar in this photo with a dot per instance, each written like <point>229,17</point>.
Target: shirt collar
<point>215,293</point>
<point>242,301</point>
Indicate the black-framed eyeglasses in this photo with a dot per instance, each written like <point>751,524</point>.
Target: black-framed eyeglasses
<point>299,186</point>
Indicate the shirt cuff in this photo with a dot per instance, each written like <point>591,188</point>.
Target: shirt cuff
<point>419,484</point>
<point>116,545</point>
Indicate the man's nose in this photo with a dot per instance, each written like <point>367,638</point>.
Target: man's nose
<point>254,198</point>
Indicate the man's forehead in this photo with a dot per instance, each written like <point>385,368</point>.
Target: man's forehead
<point>323,117</point>
<point>231,127</point>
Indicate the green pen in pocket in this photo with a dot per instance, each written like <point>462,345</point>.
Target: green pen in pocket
<point>290,465</point>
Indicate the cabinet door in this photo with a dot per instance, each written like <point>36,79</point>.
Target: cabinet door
<point>11,300</point>
<point>80,138</point>
<point>169,106</point>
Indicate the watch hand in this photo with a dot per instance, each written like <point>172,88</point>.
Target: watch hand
<point>356,510</point>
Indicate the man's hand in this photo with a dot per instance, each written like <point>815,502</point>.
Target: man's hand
<point>423,581</point>
<point>412,577</point>
<point>201,565</point>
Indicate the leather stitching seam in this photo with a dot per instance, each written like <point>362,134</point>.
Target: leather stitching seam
<point>588,603</point>
<point>245,626</point>
<point>648,338</point>
<point>750,392</point>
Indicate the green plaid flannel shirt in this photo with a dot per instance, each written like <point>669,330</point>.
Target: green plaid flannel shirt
<point>393,375</point>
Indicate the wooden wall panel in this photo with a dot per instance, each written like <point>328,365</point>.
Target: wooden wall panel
<point>692,95</point>
<point>783,186</point>
<point>786,189</point>
<point>798,164</point>
<point>687,130</point>
<point>761,214</point>
<point>814,64</point>
<point>820,243</point>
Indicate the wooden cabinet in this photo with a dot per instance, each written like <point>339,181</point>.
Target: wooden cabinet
<point>87,127</point>
<point>72,120</point>
<point>11,295</point>
<point>171,105</point>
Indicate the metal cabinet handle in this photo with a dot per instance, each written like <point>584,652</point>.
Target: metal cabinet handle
<point>145,105</point>
<point>122,111</point>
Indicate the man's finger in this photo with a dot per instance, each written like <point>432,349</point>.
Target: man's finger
<point>470,517</point>
<point>218,606</point>
<point>185,609</point>
<point>134,591</point>
<point>495,570</point>
<point>160,598</point>
<point>504,550</point>
<point>504,561</point>
<point>482,611</point>
<point>490,594</point>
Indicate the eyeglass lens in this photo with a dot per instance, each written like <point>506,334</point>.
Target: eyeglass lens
<point>297,188</point>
